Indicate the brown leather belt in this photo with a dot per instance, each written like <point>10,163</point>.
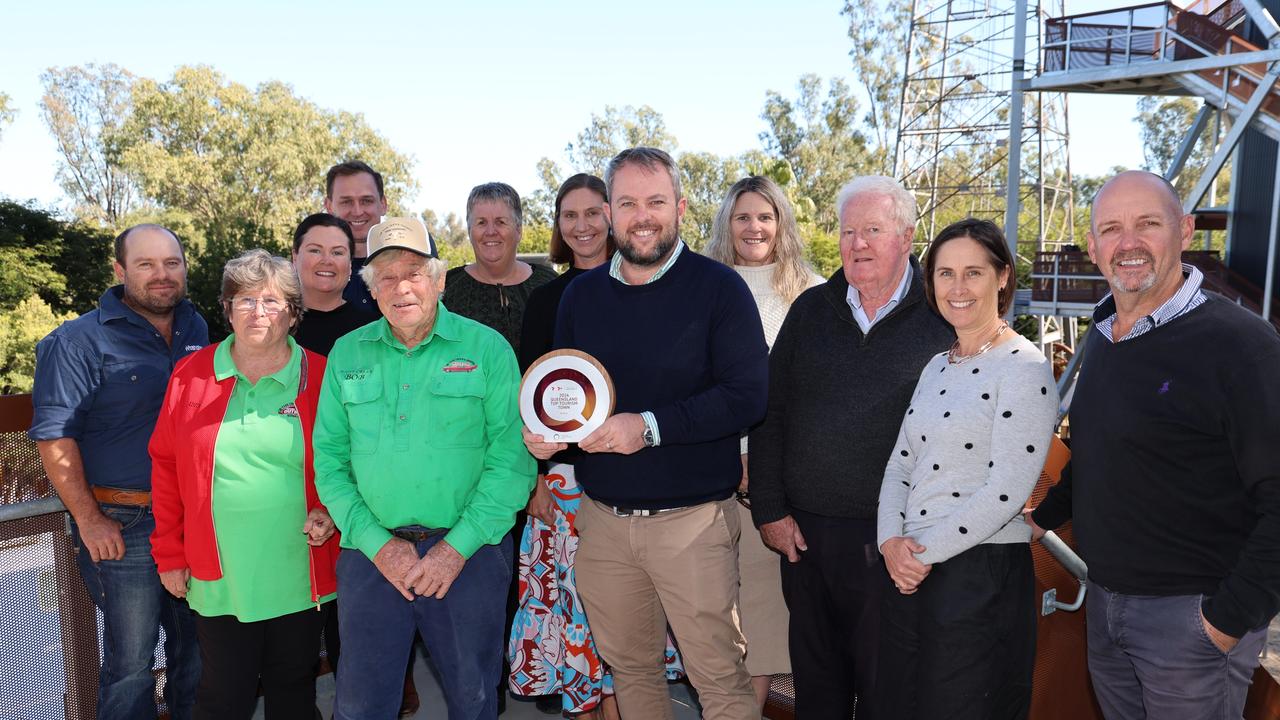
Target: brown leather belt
<point>117,496</point>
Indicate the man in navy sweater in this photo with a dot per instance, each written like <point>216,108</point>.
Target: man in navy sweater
<point>681,338</point>
<point>1174,486</point>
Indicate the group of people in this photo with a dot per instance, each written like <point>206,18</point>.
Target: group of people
<point>350,462</point>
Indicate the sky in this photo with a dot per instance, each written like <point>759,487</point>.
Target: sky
<point>476,91</point>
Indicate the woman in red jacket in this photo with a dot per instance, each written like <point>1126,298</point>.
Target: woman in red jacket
<point>240,531</point>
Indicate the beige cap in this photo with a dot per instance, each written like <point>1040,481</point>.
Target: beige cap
<point>404,233</point>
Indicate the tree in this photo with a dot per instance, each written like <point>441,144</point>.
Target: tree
<point>819,139</point>
<point>451,231</point>
<point>205,266</point>
<point>535,238</point>
<point>238,158</point>
<point>604,137</point>
<point>20,329</point>
<point>615,131</point>
<point>7,112</point>
<point>84,108</point>
<point>1163,123</point>
<point>67,264</point>
<point>704,180</point>
<point>878,30</point>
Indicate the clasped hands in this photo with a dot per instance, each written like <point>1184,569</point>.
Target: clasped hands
<point>429,575</point>
<point>905,570</point>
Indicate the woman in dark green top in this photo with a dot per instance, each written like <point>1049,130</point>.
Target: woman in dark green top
<point>494,289</point>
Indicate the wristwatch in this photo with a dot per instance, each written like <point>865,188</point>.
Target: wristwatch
<point>648,437</point>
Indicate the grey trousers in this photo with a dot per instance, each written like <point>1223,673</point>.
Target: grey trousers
<point>1150,657</point>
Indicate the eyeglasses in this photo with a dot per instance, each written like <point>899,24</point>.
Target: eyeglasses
<point>249,305</point>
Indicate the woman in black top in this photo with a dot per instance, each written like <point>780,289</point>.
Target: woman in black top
<point>581,238</point>
<point>322,248</point>
<point>494,289</point>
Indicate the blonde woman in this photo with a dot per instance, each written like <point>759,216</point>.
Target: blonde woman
<point>755,233</point>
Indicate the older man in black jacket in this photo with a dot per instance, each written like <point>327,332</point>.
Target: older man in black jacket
<point>840,377</point>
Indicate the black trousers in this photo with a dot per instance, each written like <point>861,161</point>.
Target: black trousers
<point>833,595</point>
<point>963,646</point>
<point>281,652</point>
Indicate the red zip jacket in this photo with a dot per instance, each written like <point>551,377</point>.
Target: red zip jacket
<point>181,450</point>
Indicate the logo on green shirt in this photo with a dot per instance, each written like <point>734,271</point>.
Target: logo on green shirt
<point>460,365</point>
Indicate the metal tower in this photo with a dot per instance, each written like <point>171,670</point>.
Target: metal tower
<point>962,84</point>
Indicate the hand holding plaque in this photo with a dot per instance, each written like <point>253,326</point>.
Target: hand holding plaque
<point>565,395</point>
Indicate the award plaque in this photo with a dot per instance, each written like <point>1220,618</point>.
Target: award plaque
<point>565,395</point>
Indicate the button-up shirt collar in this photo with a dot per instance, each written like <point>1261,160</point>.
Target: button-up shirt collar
<point>1187,298</point>
<point>855,301</point>
<point>615,265</point>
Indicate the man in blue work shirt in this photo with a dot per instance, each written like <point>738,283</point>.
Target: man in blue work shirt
<point>99,383</point>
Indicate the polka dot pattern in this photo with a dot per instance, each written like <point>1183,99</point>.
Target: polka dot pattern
<point>937,500</point>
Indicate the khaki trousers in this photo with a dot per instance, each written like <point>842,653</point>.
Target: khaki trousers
<point>636,575</point>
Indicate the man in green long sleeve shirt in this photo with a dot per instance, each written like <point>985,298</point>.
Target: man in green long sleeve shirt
<point>419,459</point>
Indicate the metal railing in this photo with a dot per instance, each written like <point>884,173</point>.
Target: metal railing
<point>48,626</point>
<point>1155,32</point>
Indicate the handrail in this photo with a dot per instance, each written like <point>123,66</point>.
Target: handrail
<point>1073,564</point>
<point>1113,11</point>
<point>31,508</point>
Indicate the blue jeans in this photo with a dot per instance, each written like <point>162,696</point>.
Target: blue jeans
<point>1150,657</point>
<point>463,633</point>
<point>134,606</point>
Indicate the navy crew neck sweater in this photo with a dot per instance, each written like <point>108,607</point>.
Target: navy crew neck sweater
<point>688,347</point>
<point>1174,486</point>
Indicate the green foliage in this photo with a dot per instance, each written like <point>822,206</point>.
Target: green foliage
<point>878,30</point>
<point>235,157</point>
<point>1163,123</point>
<point>617,130</point>
<point>456,255</point>
<point>535,238</point>
<point>605,136</point>
<point>7,112</point>
<point>822,249</point>
<point>820,139</point>
<point>204,267</point>
<point>704,180</point>
<point>84,108</point>
<point>20,329</point>
<point>449,231</point>
<point>67,264</point>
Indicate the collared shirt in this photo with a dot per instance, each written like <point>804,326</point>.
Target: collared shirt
<point>615,272</point>
<point>424,436</point>
<point>615,265</point>
<point>258,498</point>
<point>855,301</point>
<point>1188,298</point>
<point>100,380</point>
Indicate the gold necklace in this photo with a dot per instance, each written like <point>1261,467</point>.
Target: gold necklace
<point>955,358</point>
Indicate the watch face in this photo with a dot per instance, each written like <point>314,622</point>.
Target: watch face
<point>565,395</point>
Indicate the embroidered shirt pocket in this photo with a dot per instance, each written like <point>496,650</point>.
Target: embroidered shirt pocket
<point>456,410</point>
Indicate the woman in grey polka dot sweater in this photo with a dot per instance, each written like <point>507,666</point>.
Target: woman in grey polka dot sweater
<point>958,623</point>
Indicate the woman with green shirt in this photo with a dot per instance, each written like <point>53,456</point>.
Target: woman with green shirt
<point>240,532</point>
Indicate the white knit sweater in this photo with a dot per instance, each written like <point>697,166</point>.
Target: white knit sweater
<point>773,308</point>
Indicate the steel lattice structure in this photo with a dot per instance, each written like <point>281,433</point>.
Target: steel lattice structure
<point>961,86</point>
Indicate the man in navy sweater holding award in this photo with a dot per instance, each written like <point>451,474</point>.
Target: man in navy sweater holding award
<point>1174,483</point>
<point>681,338</point>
